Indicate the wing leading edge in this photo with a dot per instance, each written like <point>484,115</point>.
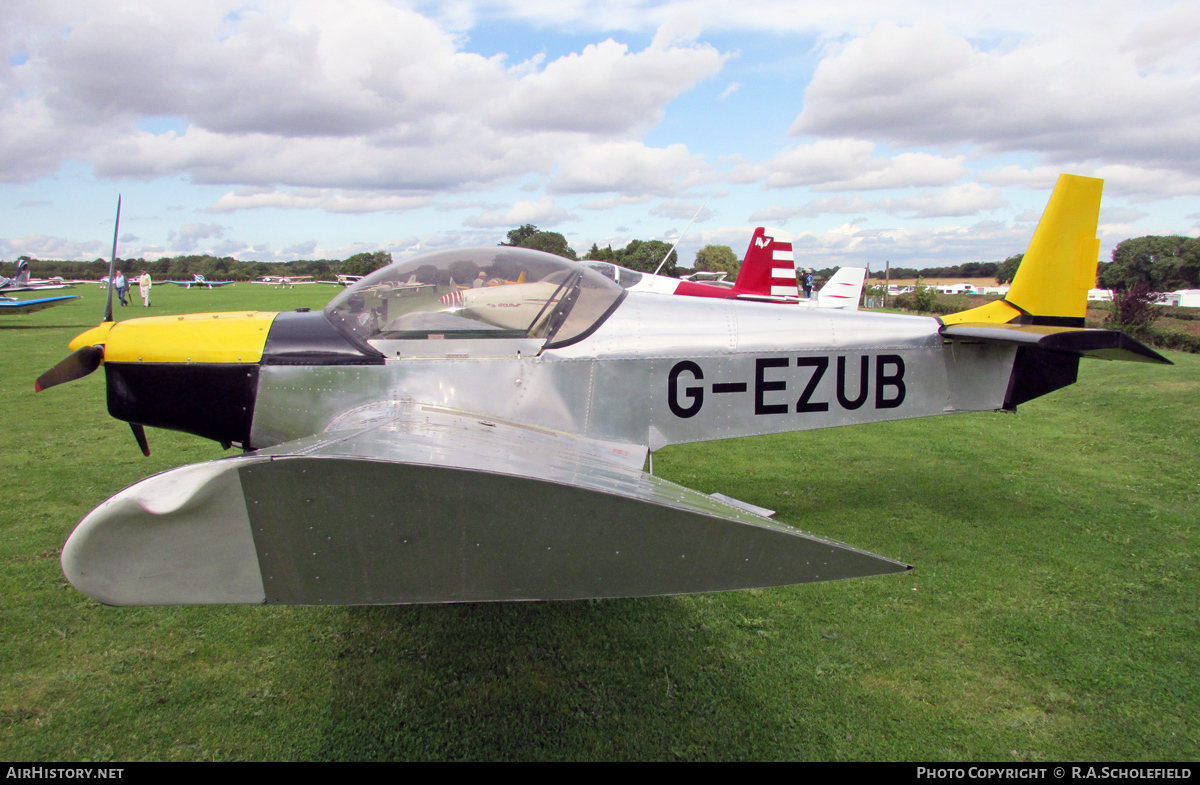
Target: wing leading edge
<point>406,503</point>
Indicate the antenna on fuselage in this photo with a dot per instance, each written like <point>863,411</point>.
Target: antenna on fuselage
<point>685,231</point>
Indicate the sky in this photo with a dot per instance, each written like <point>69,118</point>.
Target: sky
<point>916,133</point>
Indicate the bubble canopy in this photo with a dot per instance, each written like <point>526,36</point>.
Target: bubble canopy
<point>493,292</point>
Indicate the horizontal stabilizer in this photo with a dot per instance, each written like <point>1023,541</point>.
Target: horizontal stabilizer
<point>1101,344</point>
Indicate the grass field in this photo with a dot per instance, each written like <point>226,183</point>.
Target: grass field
<point>1054,612</point>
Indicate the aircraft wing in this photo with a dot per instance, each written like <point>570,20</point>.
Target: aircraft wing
<point>29,306</point>
<point>403,502</point>
<point>36,287</point>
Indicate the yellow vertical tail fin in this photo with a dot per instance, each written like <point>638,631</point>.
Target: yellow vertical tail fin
<point>1052,282</point>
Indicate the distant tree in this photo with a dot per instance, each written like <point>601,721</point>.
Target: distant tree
<point>645,255</point>
<point>923,296</point>
<point>550,242</point>
<point>528,236</point>
<point>1160,262</point>
<point>601,254</point>
<point>358,264</point>
<point>718,258</point>
<point>518,236</point>
<point>1008,268</point>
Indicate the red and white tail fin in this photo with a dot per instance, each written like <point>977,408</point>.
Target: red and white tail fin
<point>769,270</point>
<point>843,290</point>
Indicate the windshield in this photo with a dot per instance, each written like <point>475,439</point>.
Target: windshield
<point>496,292</point>
<point>621,275</point>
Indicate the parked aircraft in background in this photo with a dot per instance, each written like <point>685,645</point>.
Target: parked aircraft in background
<point>402,449</point>
<point>197,280</point>
<point>768,274</point>
<point>716,277</point>
<point>843,289</point>
<point>11,305</point>
<point>288,280</point>
<point>22,282</point>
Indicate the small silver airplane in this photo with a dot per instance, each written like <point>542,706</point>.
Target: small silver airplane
<point>420,447</point>
<point>22,282</point>
<point>199,280</point>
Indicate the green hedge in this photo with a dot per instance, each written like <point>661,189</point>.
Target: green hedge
<point>1165,339</point>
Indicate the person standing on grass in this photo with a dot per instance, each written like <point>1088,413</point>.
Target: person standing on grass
<point>144,284</point>
<point>122,286</point>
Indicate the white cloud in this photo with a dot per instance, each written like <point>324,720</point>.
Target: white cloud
<point>631,168</point>
<point>363,95</point>
<point>332,201</point>
<point>1136,182</point>
<point>959,200</point>
<point>682,211</point>
<point>301,250</point>
<point>542,212</point>
<point>188,237</point>
<point>610,202</point>
<point>41,246</point>
<point>1070,95</point>
<point>1121,215</point>
<point>1039,177</point>
<point>849,165</point>
<point>728,91</point>
<point>910,246</point>
<point>1166,37</point>
<point>605,89</point>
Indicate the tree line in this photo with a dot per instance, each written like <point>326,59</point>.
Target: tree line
<point>214,268</point>
<point>1163,263</point>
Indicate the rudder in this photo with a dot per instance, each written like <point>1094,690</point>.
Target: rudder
<point>1059,267</point>
<point>769,269</point>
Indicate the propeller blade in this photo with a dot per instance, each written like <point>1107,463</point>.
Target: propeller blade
<point>76,366</point>
<point>139,433</point>
<point>112,264</point>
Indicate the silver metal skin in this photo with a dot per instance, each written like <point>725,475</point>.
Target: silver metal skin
<point>618,383</point>
<point>492,469</point>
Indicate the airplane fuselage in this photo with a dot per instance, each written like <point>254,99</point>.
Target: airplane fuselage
<point>660,371</point>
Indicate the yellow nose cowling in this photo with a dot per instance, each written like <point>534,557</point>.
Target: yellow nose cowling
<point>97,336</point>
<point>235,337</point>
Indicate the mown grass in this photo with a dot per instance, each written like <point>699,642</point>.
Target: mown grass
<point>1052,615</point>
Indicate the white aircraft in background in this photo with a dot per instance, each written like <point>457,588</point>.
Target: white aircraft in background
<point>767,274</point>
<point>21,282</point>
<point>285,281</point>
<point>199,280</point>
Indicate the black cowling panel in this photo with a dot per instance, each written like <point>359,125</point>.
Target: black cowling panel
<point>214,400</point>
<point>307,338</point>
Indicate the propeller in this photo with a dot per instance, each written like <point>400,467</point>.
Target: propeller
<point>88,358</point>
<point>76,366</point>
<point>112,264</point>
